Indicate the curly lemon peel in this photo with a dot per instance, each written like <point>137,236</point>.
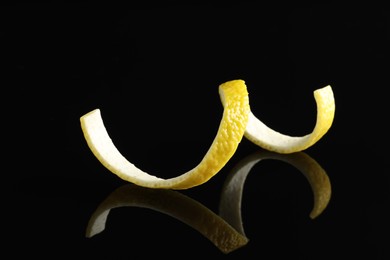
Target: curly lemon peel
<point>237,121</point>
<point>174,204</point>
<point>269,139</point>
<point>234,97</point>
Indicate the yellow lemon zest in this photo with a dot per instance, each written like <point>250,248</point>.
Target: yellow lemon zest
<point>237,121</point>
<point>234,97</point>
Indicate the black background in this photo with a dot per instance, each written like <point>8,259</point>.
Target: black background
<point>154,72</point>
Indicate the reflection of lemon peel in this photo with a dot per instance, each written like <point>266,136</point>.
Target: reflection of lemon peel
<point>174,204</point>
<point>271,140</point>
<point>230,203</point>
<point>234,97</point>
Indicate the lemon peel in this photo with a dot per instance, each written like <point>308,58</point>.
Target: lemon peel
<point>237,121</point>
<point>171,203</point>
<point>234,97</point>
<point>232,191</point>
<point>269,139</point>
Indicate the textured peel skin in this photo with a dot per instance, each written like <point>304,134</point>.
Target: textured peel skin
<point>237,121</point>
<point>234,97</point>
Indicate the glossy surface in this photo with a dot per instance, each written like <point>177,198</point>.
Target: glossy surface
<point>63,60</point>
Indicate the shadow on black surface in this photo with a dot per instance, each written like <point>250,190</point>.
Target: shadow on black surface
<point>225,230</point>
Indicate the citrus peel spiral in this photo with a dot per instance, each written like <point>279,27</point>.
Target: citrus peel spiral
<point>237,121</point>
